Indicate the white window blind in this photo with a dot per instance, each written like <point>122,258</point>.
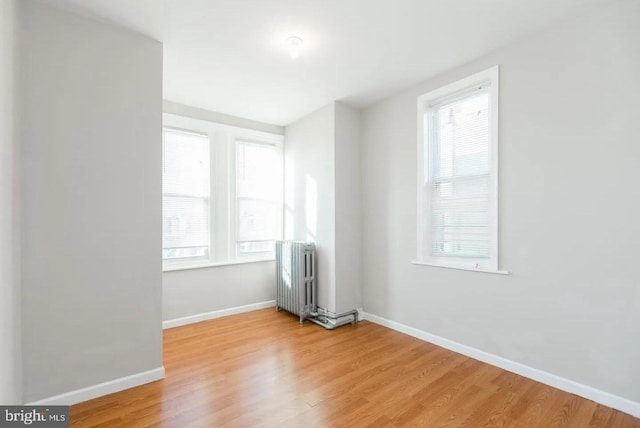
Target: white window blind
<point>185,189</point>
<point>258,197</point>
<point>457,212</point>
<point>459,179</point>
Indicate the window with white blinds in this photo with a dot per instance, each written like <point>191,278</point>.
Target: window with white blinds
<point>185,196</point>
<point>222,193</point>
<point>258,197</point>
<point>457,189</point>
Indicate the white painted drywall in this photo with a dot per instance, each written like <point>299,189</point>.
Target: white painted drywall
<point>309,163</point>
<point>348,216</point>
<point>10,367</point>
<point>197,291</point>
<point>322,199</point>
<point>569,207</point>
<point>91,121</point>
<point>215,117</point>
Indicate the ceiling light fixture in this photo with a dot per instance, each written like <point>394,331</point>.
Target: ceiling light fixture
<point>294,43</point>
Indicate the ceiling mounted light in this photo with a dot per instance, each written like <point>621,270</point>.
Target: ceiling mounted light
<point>294,43</point>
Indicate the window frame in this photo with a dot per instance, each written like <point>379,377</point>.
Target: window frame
<point>426,103</point>
<point>222,189</point>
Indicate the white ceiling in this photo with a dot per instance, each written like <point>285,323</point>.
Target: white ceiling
<point>229,55</point>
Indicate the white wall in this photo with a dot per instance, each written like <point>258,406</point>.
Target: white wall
<point>569,206</point>
<point>224,119</point>
<point>198,291</point>
<point>309,164</point>
<point>91,198</point>
<point>322,199</point>
<point>10,367</point>
<point>348,215</point>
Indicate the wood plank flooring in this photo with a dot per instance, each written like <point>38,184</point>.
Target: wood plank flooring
<point>263,368</point>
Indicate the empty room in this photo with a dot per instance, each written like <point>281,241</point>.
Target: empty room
<point>326,213</point>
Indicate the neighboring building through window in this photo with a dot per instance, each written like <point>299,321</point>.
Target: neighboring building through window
<point>458,174</point>
<point>222,193</point>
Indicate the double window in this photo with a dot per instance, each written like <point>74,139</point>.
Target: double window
<point>458,174</point>
<point>222,193</point>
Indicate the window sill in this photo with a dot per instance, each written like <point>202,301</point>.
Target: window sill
<point>211,265</point>
<point>497,272</point>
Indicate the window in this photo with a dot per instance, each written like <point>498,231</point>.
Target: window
<point>458,174</point>
<point>185,195</point>
<point>222,193</point>
<point>258,190</point>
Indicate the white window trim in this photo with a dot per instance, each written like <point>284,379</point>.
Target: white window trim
<point>224,138</point>
<point>425,101</point>
<point>188,266</point>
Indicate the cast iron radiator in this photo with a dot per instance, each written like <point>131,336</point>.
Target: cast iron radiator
<point>295,276</point>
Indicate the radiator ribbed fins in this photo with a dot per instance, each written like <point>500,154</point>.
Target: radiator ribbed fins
<point>295,277</point>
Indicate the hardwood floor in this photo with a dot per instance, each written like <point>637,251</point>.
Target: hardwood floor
<point>263,368</point>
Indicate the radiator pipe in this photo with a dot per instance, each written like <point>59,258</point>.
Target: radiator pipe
<point>324,318</point>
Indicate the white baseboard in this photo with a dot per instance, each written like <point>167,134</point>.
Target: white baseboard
<point>177,322</point>
<point>599,396</point>
<point>94,391</point>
